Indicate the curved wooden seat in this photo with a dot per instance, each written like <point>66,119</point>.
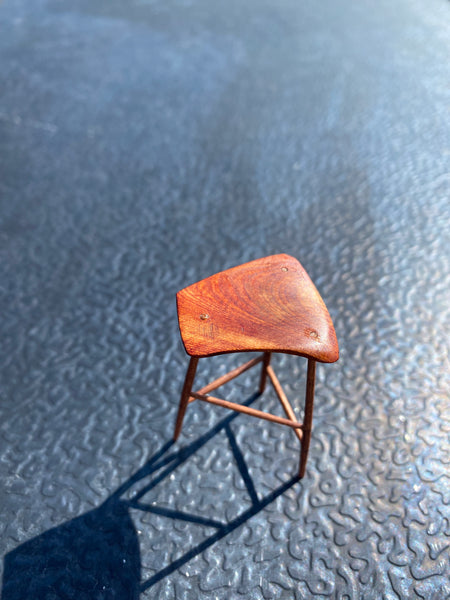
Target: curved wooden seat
<point>268,305</point>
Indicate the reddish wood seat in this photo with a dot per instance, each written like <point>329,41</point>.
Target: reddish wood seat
<point>267,305</point>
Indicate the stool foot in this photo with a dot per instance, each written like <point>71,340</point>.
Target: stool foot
<point>307,421</point>
<point>187,387</point>
<point>266,363</point>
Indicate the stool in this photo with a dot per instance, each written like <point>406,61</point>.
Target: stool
<point>267,305</point>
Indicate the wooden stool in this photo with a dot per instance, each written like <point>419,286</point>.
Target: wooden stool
<point>267,305</point>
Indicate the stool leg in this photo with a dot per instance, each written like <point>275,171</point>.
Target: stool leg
<point>307,421</point>
<point>265,364</point>
<point>187,388</point>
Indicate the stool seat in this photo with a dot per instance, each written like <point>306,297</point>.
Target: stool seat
<point>268,305</point>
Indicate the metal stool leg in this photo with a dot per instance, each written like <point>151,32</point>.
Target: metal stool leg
<point>187,388</point>
<point>266,362</point>
<point>307,421</point>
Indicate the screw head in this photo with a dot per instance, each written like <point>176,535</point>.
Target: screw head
<point>284,269</point>
<point>204,316</point>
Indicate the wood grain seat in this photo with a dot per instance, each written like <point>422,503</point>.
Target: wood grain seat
<point>267,305</point>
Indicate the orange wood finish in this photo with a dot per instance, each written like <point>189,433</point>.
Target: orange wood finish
<point>282,398</point>
<point>262,380</point>
<point>187,387</point>
<point>252,412</point>
<point>188,395</point>
<point>268,305</point>
<point>307,421</point>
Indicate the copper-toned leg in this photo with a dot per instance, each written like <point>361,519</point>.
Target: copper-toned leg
<point>307,421</point>
<point>189,380</point>
<point>266,362</point>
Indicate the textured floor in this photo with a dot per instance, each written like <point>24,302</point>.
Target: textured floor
<point>145,145</point>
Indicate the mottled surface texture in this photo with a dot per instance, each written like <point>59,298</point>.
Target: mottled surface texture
<point>145,145</point>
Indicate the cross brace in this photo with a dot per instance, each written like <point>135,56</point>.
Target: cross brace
<point>301,430</point>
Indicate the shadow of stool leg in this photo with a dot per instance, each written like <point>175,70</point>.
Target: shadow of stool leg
<point>187,388</point>
<point>307,421</point>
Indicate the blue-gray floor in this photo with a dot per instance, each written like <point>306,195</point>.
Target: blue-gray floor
<point>145,145</point>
